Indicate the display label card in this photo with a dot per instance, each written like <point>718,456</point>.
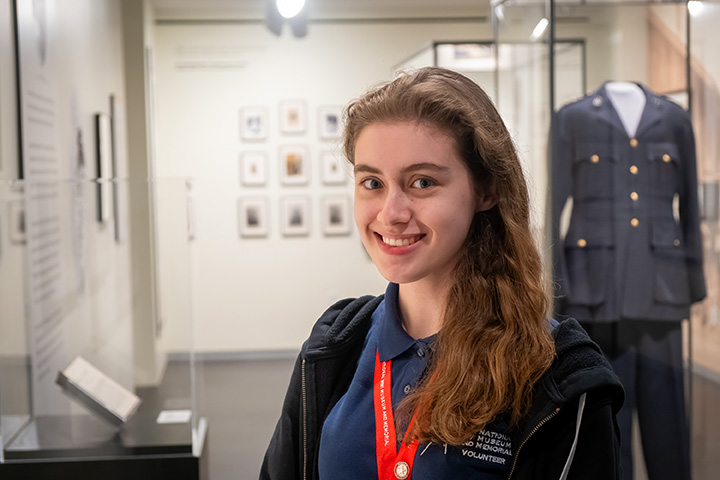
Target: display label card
<point>174,416</point>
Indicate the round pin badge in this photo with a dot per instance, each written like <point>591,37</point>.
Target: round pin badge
<point>402,470</point>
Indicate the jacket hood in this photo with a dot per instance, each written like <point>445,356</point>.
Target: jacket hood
<point>580,366</point>
<point>345,319</point>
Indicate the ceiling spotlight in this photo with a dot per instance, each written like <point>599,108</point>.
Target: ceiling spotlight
<point>292,12</point>
<point>289,8</point>
<point>500,12</point>
<point>695,7</point>
<point>539,29</point>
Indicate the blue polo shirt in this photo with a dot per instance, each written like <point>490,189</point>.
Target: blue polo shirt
<point>347,443</point>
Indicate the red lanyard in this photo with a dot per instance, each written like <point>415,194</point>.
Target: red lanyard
<point>392,465</point>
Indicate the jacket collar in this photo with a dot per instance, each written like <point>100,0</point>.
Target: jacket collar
<point>603,108</point>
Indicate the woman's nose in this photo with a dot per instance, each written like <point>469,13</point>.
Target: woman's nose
<point>396,208</point>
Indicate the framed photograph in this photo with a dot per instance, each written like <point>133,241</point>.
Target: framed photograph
<point>293,116</point>
<point>253,217</point>
<point>294,164</point>
<point>295,216</point>
<point>330,124</point>
<point>336,217</point>
<point>253,168</point>
<point>253,123</point>
<point>16,222</point>
<point>332,168</point>
<point>103,165</point>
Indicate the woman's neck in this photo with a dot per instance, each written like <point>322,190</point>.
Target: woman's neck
<point>422,307</point>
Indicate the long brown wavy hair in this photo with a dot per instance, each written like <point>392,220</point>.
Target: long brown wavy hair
<point>494,343</point>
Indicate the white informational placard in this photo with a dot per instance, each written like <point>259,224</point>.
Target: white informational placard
<point>98,392</point>
<point>174,416</point>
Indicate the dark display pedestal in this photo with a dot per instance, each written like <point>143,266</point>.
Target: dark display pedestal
<point>84,447</point>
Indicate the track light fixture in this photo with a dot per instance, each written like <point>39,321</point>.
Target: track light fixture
<point>279,12</point>
<point>289,8</point>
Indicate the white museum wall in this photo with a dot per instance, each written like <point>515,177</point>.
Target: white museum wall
<point>706,102</point>
<point>93,309</point>
<point>254,294</point>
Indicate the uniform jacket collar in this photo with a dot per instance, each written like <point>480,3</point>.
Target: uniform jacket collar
<point>603,107</point>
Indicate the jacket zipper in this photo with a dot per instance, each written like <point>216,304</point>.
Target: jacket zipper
<point>304,420</point>
<point>535,429</point>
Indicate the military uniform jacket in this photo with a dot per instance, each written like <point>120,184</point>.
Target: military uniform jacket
<point>633,248</point>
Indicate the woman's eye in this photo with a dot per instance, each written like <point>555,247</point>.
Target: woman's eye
<point>371,184</point>
<point>422,183</point>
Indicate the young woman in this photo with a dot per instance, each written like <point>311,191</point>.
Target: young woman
<point>456,372</point>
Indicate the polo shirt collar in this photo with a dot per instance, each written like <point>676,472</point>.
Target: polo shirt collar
<point>394,340</point>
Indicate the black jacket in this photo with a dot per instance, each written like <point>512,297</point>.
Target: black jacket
<point>633,248</point>
<point>541,444</point>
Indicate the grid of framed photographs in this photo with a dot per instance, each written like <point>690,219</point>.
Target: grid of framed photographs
<point>295,214</point>
<point>297,167</point>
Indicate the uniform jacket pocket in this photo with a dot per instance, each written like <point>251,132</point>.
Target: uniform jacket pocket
<point>665,168</point>
<point>671,275</point>
<point>593,168</point>
<point>588,254</point>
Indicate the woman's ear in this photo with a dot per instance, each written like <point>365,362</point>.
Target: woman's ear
<point>486,197</point>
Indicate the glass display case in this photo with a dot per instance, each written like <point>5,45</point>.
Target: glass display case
<point>567,59</point>
<point>75,288</point>
<point>704,67</point>
<point>475,59</point>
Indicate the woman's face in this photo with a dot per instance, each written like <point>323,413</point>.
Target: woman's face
<point>414,201</point>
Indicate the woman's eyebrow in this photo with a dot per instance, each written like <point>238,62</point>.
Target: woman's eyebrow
<point>426,166</point>
<point>366,169</point>
<point>410,168</point>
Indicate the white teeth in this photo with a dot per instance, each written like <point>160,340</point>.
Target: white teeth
<point>399,242</point>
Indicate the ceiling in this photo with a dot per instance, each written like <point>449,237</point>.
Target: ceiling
<point>248,9</point>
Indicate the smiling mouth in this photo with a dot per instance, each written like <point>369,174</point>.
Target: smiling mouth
<point>400,242</point>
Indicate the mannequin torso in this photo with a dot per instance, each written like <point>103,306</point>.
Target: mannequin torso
<point>629,102</point>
